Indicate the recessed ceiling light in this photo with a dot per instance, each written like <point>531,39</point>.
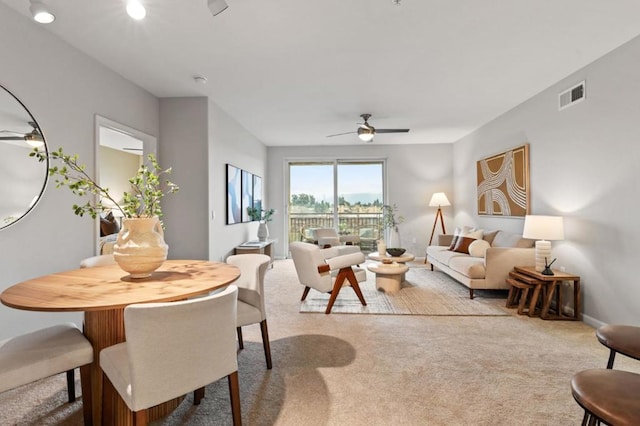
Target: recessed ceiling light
<point>136,10</point>
<point>199,79</point>
<point>41,13</point>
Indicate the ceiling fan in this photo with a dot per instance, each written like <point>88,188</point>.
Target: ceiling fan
<point>33,138</point>
<point>366,131</point>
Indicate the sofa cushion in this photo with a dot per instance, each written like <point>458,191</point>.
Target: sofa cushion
<point>508,239</point>
<point>472,267</point>
<point>464,240</point>
<point>442,255</point>
<point>489,236</point>
<point>462,244</point>
<point>478,248</point>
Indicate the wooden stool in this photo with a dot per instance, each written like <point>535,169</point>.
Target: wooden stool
<point>620,338</point>
<point>610,396</point>
<point>515,292</point>
<point>520,295</point>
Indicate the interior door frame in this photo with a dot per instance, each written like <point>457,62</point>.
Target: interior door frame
<point>149,146</point>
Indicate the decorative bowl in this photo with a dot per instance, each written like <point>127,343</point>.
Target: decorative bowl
<point>395,252</point>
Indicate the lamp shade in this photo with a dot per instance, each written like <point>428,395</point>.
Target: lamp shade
<point>543,227</point>
<point>439,199</point>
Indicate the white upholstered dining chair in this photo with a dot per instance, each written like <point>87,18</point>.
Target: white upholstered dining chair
<point>250,285</point>
<point>173,348</point>
<point>326,270</point>
<point>47,352</point>
<point>100,260</point>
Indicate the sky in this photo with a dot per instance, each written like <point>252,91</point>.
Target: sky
<point>352,179</point>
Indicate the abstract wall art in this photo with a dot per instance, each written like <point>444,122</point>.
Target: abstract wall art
<point>234,188</point>
<point>503,183</point>
<point>247,195</point>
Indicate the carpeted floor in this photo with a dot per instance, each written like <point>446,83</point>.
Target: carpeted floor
<point>377,370</point>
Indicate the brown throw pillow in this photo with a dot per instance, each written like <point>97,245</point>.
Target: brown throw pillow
<point>462,244</point>
<point>108,225</point>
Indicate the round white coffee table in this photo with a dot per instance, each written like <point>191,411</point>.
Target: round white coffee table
<point>389,277</point>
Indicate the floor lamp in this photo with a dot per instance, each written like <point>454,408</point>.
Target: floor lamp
<point>437,199</point>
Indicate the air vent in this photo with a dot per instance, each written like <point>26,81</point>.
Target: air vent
<point>571,96</point>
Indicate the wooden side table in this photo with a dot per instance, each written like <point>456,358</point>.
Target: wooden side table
<point>552,284</point>
<point>256,247</point>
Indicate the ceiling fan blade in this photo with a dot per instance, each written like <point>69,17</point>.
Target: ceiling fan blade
<point>11,138</point>
<point>132,149</point>
<point>340,134</point>
<point>392,130</point>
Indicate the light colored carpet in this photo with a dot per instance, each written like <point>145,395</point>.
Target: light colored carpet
<point>377,370</point>
<point>424,292</point>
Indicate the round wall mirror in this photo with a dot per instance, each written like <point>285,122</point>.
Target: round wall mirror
<point>22,178</point>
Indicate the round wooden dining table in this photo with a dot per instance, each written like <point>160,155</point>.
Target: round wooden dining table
<point>102,293</point>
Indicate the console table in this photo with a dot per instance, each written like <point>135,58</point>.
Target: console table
<point>256,247</point>
<point>552,283</point>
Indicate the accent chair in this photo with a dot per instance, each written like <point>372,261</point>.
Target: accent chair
<point>326,270</point>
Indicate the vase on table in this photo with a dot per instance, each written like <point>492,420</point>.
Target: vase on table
<point>393,238</point>
<point>140,248</point>
<point>263,231</point>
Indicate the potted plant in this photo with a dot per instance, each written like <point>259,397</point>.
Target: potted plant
<point>390,222</point>
<point>140,248</point>
<point>264,216</point>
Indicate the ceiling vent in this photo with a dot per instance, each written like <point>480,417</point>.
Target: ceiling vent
<point>571,96</point>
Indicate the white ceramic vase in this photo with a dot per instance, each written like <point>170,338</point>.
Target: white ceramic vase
<point>140,248</point>
<point>393,238</point>
<point>263,231</point>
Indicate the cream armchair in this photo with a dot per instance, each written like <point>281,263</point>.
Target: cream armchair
<point>326,270</point>
<point>328,237</point>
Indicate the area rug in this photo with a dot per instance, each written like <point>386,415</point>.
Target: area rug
<point>424,292</point>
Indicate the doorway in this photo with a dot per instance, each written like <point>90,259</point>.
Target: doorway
<point>120,150</point>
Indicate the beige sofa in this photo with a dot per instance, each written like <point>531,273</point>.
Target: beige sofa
<point>506,250</point>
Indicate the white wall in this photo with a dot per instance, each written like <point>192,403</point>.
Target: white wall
<point>584,166</point>
<point>230,143</point>
<point>183,146</point>
<point>63,89</point>
<point>414,173</point>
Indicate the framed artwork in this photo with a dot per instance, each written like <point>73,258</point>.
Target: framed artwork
<point>247,195</point>
<point>503,183</point>
<point>234,194</point>
<point>257,192</point>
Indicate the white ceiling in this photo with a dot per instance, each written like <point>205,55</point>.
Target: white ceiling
<point>292,72</point>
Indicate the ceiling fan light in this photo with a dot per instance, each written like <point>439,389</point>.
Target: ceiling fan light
<point>217,6</point>
<point>136,10</point>
<point>366,133</point>
<point>41,13</point>
<point>34,139</point>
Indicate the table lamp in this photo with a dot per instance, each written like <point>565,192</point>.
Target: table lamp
<point>543,229</point>
<point>438,199</point>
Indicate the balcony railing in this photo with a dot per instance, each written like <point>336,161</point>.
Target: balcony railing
<point>366,225</point>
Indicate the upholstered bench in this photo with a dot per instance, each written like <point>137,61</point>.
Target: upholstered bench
<point>43,353</point>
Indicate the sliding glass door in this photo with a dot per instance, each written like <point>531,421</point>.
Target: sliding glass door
<point>344,195</point>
